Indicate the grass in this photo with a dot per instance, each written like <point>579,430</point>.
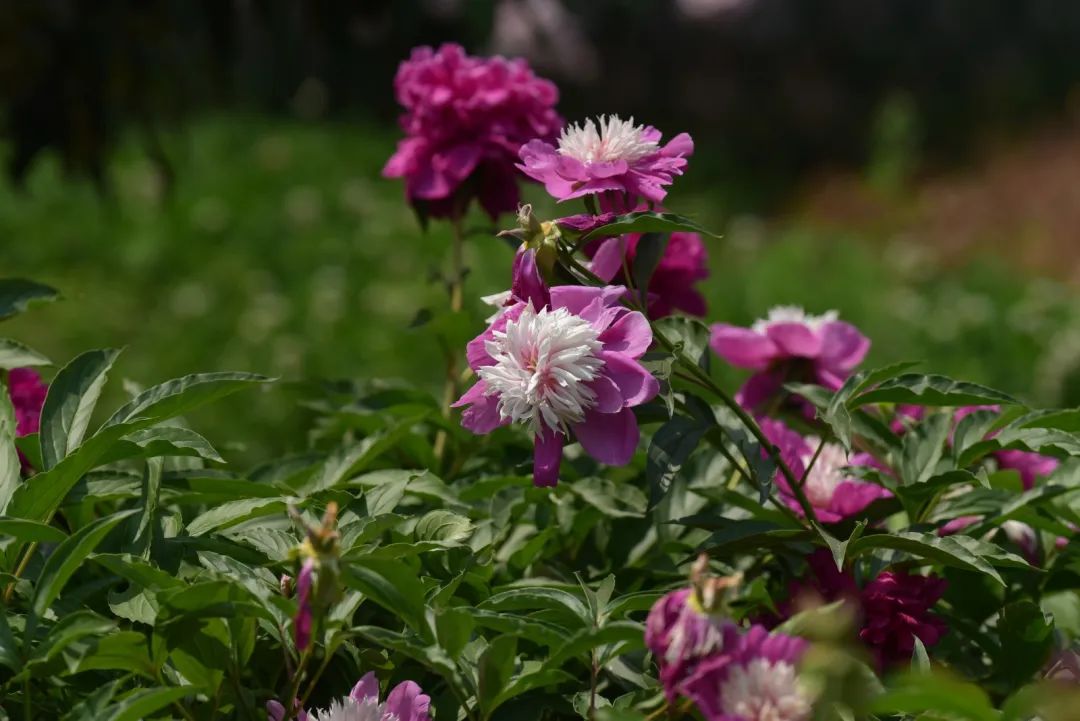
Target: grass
<point>280,250</point>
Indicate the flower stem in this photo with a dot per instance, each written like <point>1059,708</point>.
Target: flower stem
<point>457,282</point>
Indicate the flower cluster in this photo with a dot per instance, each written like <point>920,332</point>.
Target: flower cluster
<point>406,702</point>
<point>465,120</point>
<point>729,673</point>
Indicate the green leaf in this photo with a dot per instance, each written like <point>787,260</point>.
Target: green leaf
<point>162,442</point>
<point>176,397</point>
<point>143,702</point>
<point>10,464</point>
<point>669,449</point>
<point>68,630</point>
<point>650,250</point>
<point>151,490</point>
<point>536,630</point>
<point>233,512</point>
<point>445,526</point>
<point>954,551</point>
<point>921,693</point>
<point>539,597</point>
<point>931,390</point>
<point>922,448</point>
<point>615,500</point>
<point>745,534</point>
<point>629,634</point>
<point>646,222</point>
<point>14,354</point>
<point>17,294</point>
<point>453,629</point>
<point>1026,636</point>
<point>689,335</point>
<point>391,584</point>
<point>71,399</point>
<point>494,670</point>
<point>9,646</point>
<point>66,559</point>
<point>30,531</point>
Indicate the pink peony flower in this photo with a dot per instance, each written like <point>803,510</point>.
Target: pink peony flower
<point>789,345</point>
<point>622,162</point>
<point>465,120</point>
<point>896,609</point>
<point>755,678</point>
<point>303,621</point>
<point>680,634</point>
<point>671,288</point>
<point>833,493</point>
<point>406,702</point>
<point>569,366</point>
<point>27,393</point>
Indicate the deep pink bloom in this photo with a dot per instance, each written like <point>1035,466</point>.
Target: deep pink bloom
<point>681,634</point>
<point>623,162</point>
<point>896,609</point>
<point>787,346</point>
<point>27,392</point>
<point>834,493</point>
<point>571,366</point>
<point>671,288</point>
<point>406,702</point>
<point>303,621</point>
<point>465,120</point>
<point>754,678</point>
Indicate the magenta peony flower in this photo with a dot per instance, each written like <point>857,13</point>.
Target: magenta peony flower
<point>569,366</point>
<point>789,345</point>
<point>27,393</point>
<point>671,288</point>
<point>406,702</point>
<point>896,608</point>
<point>622,162</point>
<point>465,120</point>
<point>834,494</point>
<point>680,634</point>
<point>303,621</point>
<point>754,679</point>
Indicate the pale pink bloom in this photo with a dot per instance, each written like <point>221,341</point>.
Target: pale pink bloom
<point>406,702</point>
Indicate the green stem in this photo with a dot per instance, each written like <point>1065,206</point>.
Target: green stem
<point>315,678</point>
<point>457,271</point>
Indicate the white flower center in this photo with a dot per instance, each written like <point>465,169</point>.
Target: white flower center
<point>793,314</point>
<point>543,363</point>
<point>764,691</point>
<point>349,709</point>
<point>694,635</point>
<point>827,472</point>
<point>616,139</point>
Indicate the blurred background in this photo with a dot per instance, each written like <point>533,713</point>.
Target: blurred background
<point>201,179</point>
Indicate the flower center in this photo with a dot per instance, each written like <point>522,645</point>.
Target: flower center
<point>615,139</point>
<point>349,709</point>
<point>543,363</point>
<point>827,472</point>
<point>764,691</point>
<point>793,314</point>
<point>695,634</point>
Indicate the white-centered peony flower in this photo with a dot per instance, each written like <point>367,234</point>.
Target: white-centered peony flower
<point>764,691</point>
<point>349,709</point>
<point>614,139</point>
<point>793,314</point>
<point>827,472</point>
<point>543,363</point>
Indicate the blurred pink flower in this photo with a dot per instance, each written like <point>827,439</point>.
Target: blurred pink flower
<point>755,678</point>
<point>622,162</point>
<point>671,288</point>
<point>465,120</point>
<point>896,610</point>
<point>406,702</point>
<point>680,634</point>
<point>570,366</point>
<point>789,345</point>
<point>834,493</point>
<point>27,392</point>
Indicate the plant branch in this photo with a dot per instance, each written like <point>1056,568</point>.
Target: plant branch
<point>457,282</point>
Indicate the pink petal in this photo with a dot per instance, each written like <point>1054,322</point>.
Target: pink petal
<point>681,144</point>
<point>759,389</point>
<point>608,260</point>
<point>795,339</point>
<point>843,346</point>
<point>742,347</point>
<point>406,702</point>
<point>631,335</point>
<point>609,438</point>
<point>609,398</point>
<point>852,497</point>
<point>482,416</point>
<point>547,455</point>
<point>366,687</point>
<point>575,298</point>
<point>636,384</point>
<point>275,711</point>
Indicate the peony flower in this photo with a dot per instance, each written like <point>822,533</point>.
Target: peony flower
<point>27,393</point>
<point>754,679</point>
<point>406,702</point>
<point>303,621</point>
<point>465,120</point>
<point>789,345</point>
<point>571,366</point>
<point>680,633</point>
<point>622,162</point>
<point>834,494</point>
<point>896,609</point>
